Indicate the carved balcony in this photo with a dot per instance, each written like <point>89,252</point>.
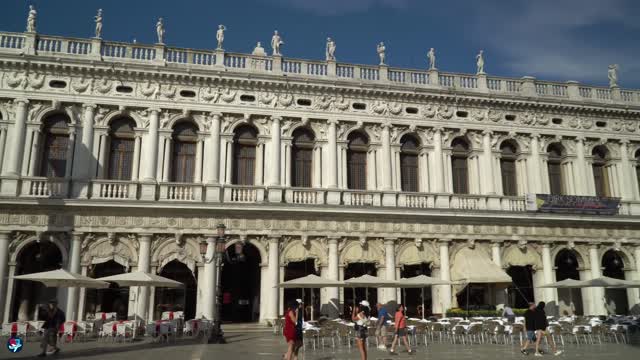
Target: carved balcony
<point>180,192</point>
<point>114,190</point>
<point>42,187</point>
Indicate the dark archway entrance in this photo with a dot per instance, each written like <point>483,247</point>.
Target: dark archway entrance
<point>114,298</point>
<point>241,284</point>
<point>353,270</point>
<point>570,300</point>
<point>179,299</point>
<point>295,270</point>
<point>413,297</point>
<point>520,292</point>
<point>616,299</point>
<point>38,256</point>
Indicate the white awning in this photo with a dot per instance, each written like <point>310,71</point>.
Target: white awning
<point>310,282</point>
<point>140,278</point>
<point>63,278</point>
<point>474,266</point>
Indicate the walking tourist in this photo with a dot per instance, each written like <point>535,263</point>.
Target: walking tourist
<point>508,313</point>
<point>381,329</point>
<point>401,330</point>
<point>529,326</point>
<point>53,319</point>
<point>360,316</point>
<point>541,325</point>
<point>290,330</point>
<point>299,326</point>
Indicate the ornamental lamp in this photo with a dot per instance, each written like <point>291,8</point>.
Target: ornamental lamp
<point>203,247</point>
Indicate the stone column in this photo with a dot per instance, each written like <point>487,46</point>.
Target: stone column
<point>597,293</point>
<point>333,273</point>
<point>580,178</point>
<point>9,294</point>
<point>209,297</point>
<point>135,168</point>
<point>634,305</point>
<point>197,176</point>
<point>547,264</point>
<point>437,161</point>
<point>82,296</point>
<point>496,257</point>
<point>258,180</point>
<point>74,267</point>
<point>445,274</point>
<point>83,159</point>
<point>317,167</point>
<point>150,158</point>
<point>275,188</point>
<point>68,172</point>
<point>3,142</point>
<point>144,262</point>
<point>32,145</point>
<point>102,149</point>
<point>5,239</point>
<point>331,181</point>
<point>534,165</point>
<point>212,175</point>
<point>287,163</point>
<point>488,177</point>
<point>386,158</point>
<point>390,270</point>
<point>263,293</point>
<point>13,163</point>
<point>272,279</point>
<point>625,173</point>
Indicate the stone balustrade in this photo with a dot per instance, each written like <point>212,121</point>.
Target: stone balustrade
<point>108,51</point>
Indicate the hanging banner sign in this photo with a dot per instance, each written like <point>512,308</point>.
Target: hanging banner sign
<point>572,204</point>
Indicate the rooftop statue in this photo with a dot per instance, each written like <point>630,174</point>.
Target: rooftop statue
<point>276,41</point>
<point>613,75</point>
<point>331,50</point>
<point>31,19</point>
<point>220,35</point>
<point>431,56</point>
<point>98,20</point>
<point>160,31</point>
<point>259,50</point>
<point>480,62</point>
<point>381,52</point>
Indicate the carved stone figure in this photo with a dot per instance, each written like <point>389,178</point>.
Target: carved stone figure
<point>480,62</point>
<point>429,111</point>
<point>31,19</point>
<point>98,20</point>
<point>211,94</point>
<point>431,56</point>
<point>395,108</point>
<point>613,75</point>
<point>259,50</point>
<point>331,50</point>
<point>160,31</point>
<point>36,81</point>
<point>381,52</point>
<point>267,99</point>
<point>149,90</point>
<point>228,95</point>
<point>81,85</point>
<point>104,86</point>
<point>324,102</point>
<point>16,79</point>
<point>285,100</point>
<point>341,104</point>
<point>220,35</point>
<point>169,91</point>
<point>276,42</point>
<point>379,107</point>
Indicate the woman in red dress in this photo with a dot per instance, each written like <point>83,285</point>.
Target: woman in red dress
<point>289,331</point>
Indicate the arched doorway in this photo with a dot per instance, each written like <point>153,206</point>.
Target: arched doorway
<point>413,296</point>
<point>178,299</point>
<point>112,299</point>
<point>353,270</point>
<point>520,292</point>
<point>295,270</point>
<point>240,279</point>
<point>616,299</point>
<point>36,257</point>
<point>569,300</point>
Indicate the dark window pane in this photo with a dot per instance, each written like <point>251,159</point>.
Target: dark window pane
<point>460,177</point>
<point>301,167</point>
<point>509,183</point>
<point>600,180</point>
<point>54,156</point>
<point>409,172</point>
<point>555,177</point>
<point>184,161</point>
<point>121,158</point>
<point>244,159</point>
<point>356,170</point>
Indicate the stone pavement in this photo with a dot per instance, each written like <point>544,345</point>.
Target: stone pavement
<point>264,345</point>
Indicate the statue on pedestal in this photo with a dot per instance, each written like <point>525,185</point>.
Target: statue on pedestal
<point>480,62</point>
<point>220,36</point>
<point>98,20</point>
<point>160,31</point>
<point>31,19</point>
<point>276,41</point>
<point>431,56</point>
<point>613,75</point>
<point>381,52</point>
<point>331,50</point>
<point>259,50</point>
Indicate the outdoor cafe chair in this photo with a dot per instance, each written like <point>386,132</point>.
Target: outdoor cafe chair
<point>475,333</point>
<point>421,332</point>
<point>436,329</point>
<point>345,333</point>
<point>580,331</point>
<point>124,332</point>
<point>458,332</point>
<point>167,331</point>
<point>516,330</point>
<point>557,331</point>
<point>278,325</point>
<point>327,333</point>
<point>597,331</point>
<point>309,335</point>
<point>618,331</point>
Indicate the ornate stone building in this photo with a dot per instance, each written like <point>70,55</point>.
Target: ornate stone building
<point>120,156</point>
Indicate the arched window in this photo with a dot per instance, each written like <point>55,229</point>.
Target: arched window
<point>357,161</point>
<point>121,148</point>
<point>183,164</point>
<point>555,153</point>
<point>600,177</point>
<point>302,157</point>
<point>459,166</point>
<point>245,142</point>
<point>508,157</point>
<point>409,150</point>
<point>55,144</point>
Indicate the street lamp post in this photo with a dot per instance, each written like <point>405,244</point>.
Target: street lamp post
<point>216,335</point>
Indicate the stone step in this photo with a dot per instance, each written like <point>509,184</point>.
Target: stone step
<point>246,327</point>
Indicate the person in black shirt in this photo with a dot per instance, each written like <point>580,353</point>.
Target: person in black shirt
<point>529,326</point>
<point>541,324</point>
<point>53,319</point>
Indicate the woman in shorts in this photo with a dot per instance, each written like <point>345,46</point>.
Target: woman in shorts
<point>360,316</point>
<point>289,331</point>
<point>401,330</point>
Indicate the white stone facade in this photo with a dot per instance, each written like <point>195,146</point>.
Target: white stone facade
<point>146,222</point>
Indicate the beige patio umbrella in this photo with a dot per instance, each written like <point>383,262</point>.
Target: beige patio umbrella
<point>420,281</point>
<point>311,282</point>
<point>62,278</point>
<point>608,282</point>
<point>565,284</point>
<point>367,281</point>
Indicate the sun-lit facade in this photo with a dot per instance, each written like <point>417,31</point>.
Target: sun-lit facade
<point>122,156</point>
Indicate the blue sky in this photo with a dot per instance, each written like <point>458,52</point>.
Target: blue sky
<point>550,39</point>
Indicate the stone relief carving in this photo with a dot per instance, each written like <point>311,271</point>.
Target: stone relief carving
<point>168,91</point>
<point>445,112</point>
<point>227,95</point>
<point>494,115</point>
<point>210,95</point>
<point>429,111</point>
<point>104,85</point>
<point>36,81</point>
<point>81,85</point>
<point>341,104</point>
<point>148,90</point>
<point>285,100</point>
<point>17,79</point>
<point>267,99</point>
<point>324,102</point>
